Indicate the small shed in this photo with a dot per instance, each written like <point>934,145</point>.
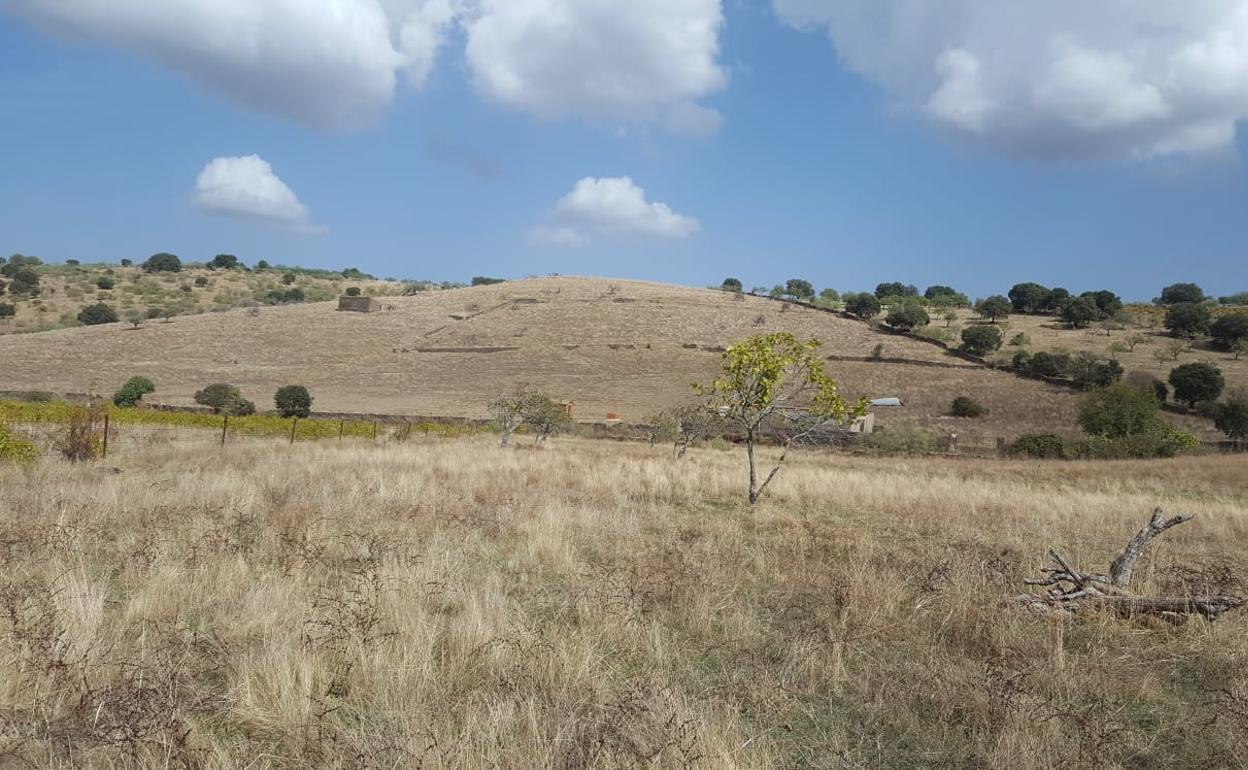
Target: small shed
<point>359,304</point>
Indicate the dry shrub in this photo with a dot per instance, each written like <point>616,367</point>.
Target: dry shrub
<point>81,437</point>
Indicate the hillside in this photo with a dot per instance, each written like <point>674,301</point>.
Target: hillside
<point>66,289</point>
<point>619,347</point>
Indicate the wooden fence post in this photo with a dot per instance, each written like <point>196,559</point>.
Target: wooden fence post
<point>342,426</point>
<point>225,425</point>
<point>374,430</point>
<point>104,450</point>
<point>294,425</point>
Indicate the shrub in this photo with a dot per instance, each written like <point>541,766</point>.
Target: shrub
<point>293,401</point>
<point>965,406</point>
<point>286,297</point>
<point>1188,319</point>
<point>865,306</point>
<point>1029,297</point>
<point>1020,340</point>
<point>1047,364</point>
<point>1044,446</point>
<point>127,262</point>
<point>81,438</point>
<point>1196,382</point>
<point>7,310</point>
<point>25,282</point>
<point>133,392</point>
<point>907,316</point>
<point>99,313</point>
<point>477,280</point>
<point>1150,384</point>
<point>105,283</point>
<point>288,278</point>
<point>1119,410</point>
<point>1230,329</point>
<point>224,262</point>
<point>16,450</point>
<point>162,263</point>
<point>799,288</point>
<point>981,340</point>
<point>901,439</point>
<point>352,291</point>
<point>201,281</point>
<point>223,398</point>
<point>1090,372</point>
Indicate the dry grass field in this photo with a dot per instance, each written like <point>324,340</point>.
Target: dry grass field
<point>610,347</point>
<point>592,605</point>
<point>66,289</point>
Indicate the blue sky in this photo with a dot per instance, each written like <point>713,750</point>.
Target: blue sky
<point>825,145</point>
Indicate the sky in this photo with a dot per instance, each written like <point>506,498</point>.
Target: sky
<point>847,142</point>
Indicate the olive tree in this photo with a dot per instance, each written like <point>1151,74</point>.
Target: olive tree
<point>994,308</point>
<point>293,401</point>
<point>531,409</point>
<point>1196,382</point>
<point>773,383</point>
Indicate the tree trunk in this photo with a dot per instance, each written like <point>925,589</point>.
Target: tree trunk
<point>749,452</point>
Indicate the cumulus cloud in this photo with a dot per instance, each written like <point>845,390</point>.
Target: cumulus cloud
<point>611,207</point>
<point>636,61</point>
<point>335,63</point>
<point>1060,79</point>
<point>247,187</point>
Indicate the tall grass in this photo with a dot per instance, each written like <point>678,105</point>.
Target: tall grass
<point>454,605</point>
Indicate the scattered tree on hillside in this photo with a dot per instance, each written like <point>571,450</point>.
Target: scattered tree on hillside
<point>1028,297</point>
<point>799,289</point>
<point>895,289</point>
<point>7,310</point>
<point>162,263</point>
<point>1089,371</point>
<point>1119,411</point>
<point>1229,329</point>
<point>531,409</point>
<point>293,401</point>
<point>865,306</point>
<point>104,283</point>
<point>1181,293</point>
<point>224,398</point>
<point>994,308</point>
<point>1107,303</point>
<point>732,284</point>
<point>224,262</point>
<point>288,278</point>
<point>135,318</point>
<point>133,392</point>
<point>981,340</point>
<point>1196,382</point>
<point>482,280</point>
<point>775,383</point>
<point>1231,416</point>
<point>127,262</point>
<point>1079,312</point>
<point>99,313</point>
<point>1188,319</point>
<point>685,426</point>
<point>907,316</point>
<point>829,297</point>
<point>262,265</point>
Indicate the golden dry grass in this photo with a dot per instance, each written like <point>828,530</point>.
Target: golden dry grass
<point>624,347</point>
<point>593,605</point>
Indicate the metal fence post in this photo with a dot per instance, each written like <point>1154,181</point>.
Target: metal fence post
<point>225,425</point>
<point>294,424</point>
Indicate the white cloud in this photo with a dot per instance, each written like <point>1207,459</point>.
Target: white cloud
<point>611,207</point>
<point>329,63</point>
<point>1053,79</point>
<point>635,61</point>
<point>247,187</point>
<point>335,63</point>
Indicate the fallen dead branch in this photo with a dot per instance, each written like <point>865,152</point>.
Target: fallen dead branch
<point>1071,590</point>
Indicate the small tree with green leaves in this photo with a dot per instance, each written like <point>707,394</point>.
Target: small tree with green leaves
<point>7,310</point>
<point>775,384</point>
<point>1196,382</point>
<point>994,308</point>
<point>1188,319</point>
<point>222,398</point>
<point>293,401</point>
<point>907,316</point>
<point>162,263</point>
<point>1119,411</point>
<point>1079,312</point>
<point>133,392</point>
<point>732,285</point>
<point>981,340</point>
<point>1229,329</point>
<point>865,306</point>
<point>799,288</point>
<point>1231,416</point>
